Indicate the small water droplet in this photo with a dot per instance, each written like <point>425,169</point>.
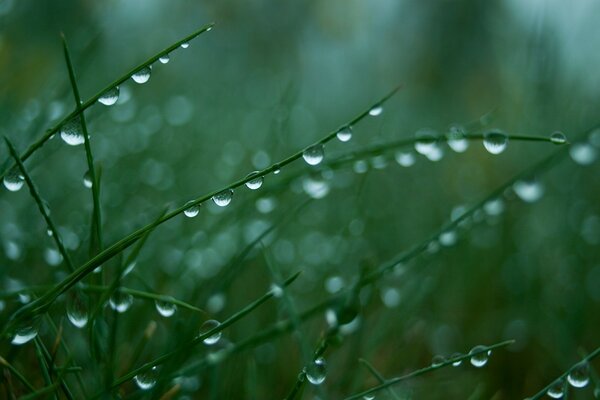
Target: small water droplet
<point>129,268</point>
<point>448,238</point>
<point>360,166</point>
<point>142,75</point>
<point>315,188</point>
<point>317,371</point>
<point>495,141</point>
<point>72,133</point>
<point>147,379</point>
<point>24,334</point>
<point>558,138</point>
<point>165,308</point>
<point>583,153</point>
<point>344,134</point>
<point>77,311</point>
<point>164,59</point>
<point>208,326</point>
<point>109,97</point>
<point>437,360</point>
<point>185,45</point>
<point>276,290</point>
<point>580,375</point>
<point>120,302</point>
<point>255,183</point>
<point>87,179</point>
<point>369,397</point>
<point>529,191</point>
<point>494,207</point>
<point>456,139</point>
<point>425,141</point>
<point>556,390</point>
<point>457,362</point>
<point>480,359</point>
<point>192,210</point>
<point>224,198</point>
<point>376,111</point>
<point>404,159</point>
<point>14,180</point>
<point>313,155</point>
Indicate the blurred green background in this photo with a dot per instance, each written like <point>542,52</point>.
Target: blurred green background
<point>269,79</point>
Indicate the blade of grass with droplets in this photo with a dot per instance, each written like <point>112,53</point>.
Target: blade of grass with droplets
<point>96,231</point>
<point>49,362</point>
<point>140,294</point>
<point>425,370</point>
<point>378,376</point>
<point>44,302</point>
<point>92,100</point>
<point>564,375</point>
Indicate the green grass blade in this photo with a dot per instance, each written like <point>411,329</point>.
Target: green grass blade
<point>16,373</point>
<point>378,376</point>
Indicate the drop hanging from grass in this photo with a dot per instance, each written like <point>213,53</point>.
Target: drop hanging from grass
<point>580,375</point>
<point>13,180</point>
<point>376,111</point>
<point>557,389</point>
<point>317,371</point>
<point>495,141</point>
<point>479,356</point>
<point>165,308</point>
<point>109,97</point>
<point>164,59</point>
<point>254,183</point>
<point>77,311</point>
<point>72,133</point>
<point>208,326</point>
<point>185,45</point>
<point>313,155</point>
<point>120,302</point>
<point>147,379</point>
<point>224,198</point>
<point>192,210</point>
<point>529,191</point>
<point>425,141</point>
<point>344,134</point>
<point>558,138</point>
<point>405,159</point>
<point>457,140</point>
<point>24,334</point>
<point>142,75</point>
<point>87,180</point>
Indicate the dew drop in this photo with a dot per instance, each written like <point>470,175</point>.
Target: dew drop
<point>494,207</point>
<point>87,179</point>
<point>255,183</point>
<point>558,138</point>
<point>456,139</point>
<point>437,360</point>
<point>315,188</point>
<point>147,379</point>
<point>556,390</point>
<point>165,308</point>
<point>583,153</point>
<point>369,397</point>
<point>120,302</point>
<point>276,290</point>
<point>448,238</point>
<point>77,311</point>
<point>457,362</point>
<point>224,198</point>
<point>109,97</point>
<point>185,45</point>
<point>376,111</point>
<point>71,132</point>
<point>317,371</point>
<point>164,59</point>
<point>405,159</point>
<point>344,134</point>
<point>208,326</point>
<point>13,180</point>
<point>24,334</point>
<point>426,141</point>
<point>495,141</point>
<point>142,75</point>
<point>192,210</point>
<point>480,359</point>
<point>529,191</point>
<point>313,155</point>
<point>580,375</point>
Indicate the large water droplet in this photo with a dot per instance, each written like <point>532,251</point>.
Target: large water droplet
<point>558,138</point>
<point>317,371</point>
<point>580,375</point>
<point>479,357</point>
<point>255,183</point>
<point>142,75</point>
<point>109,97</point>
<point>24,334</point>
<point>376,111</point>
<point>164,59</point>
<point>405,159</point>
<point>456,139</point>
<point>147,379</point>
<point>583,153</point>
<point>14,180</point>
<point>224,198</point>
<point>72,133</point>
<point>87,179</point>
<point>426,141</point>
<point>556,390</point>
<point>314,154</point>
<point>165,308</point>
<point>208,326</point>
<point>77,311</point>
<point>192,210</point>
<point>495,141</point>
<point>529,191</point>
<point>344,134</point>
<point>120,302</point>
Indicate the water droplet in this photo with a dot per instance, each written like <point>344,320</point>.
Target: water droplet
<point>556,390</point>
<point>495,141</point>
<point>147,379</point>
<point>456,139</point>
<point>360,166</point>
<point>276,290</point>
<point>87,179</point>
<point>494,207</point>
<point>185,45</point>
<point>192,210</point>
<point>224,198</point>
<point>129,268</point>
<point>72,133</point>
<point>255,183</point>
<point>457,362</point>
<point>436,154</point>
<point>344,134</point>
<point>580,375</point>
<point>77,311</point>
<point>164,59</point>
<point>558,138</point>
<point>109,97</point>
<point>14,180</point>
<point>529,191</point>
<point>405,159</point>
<point>369,397</point>
<point>448,238</point>
<point>376,111</point>
<point>315,188</point>
<point>480,359</point>
<point>313,155</point>
<point>208,326</point>
<point>583,153</point>
<point>317,371</point>
<point>437,360</point>
<point>426,141</point>
<point>165,308</point>
<point>120,302</point>
<point>24,334</point>
<point>142,75</point>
